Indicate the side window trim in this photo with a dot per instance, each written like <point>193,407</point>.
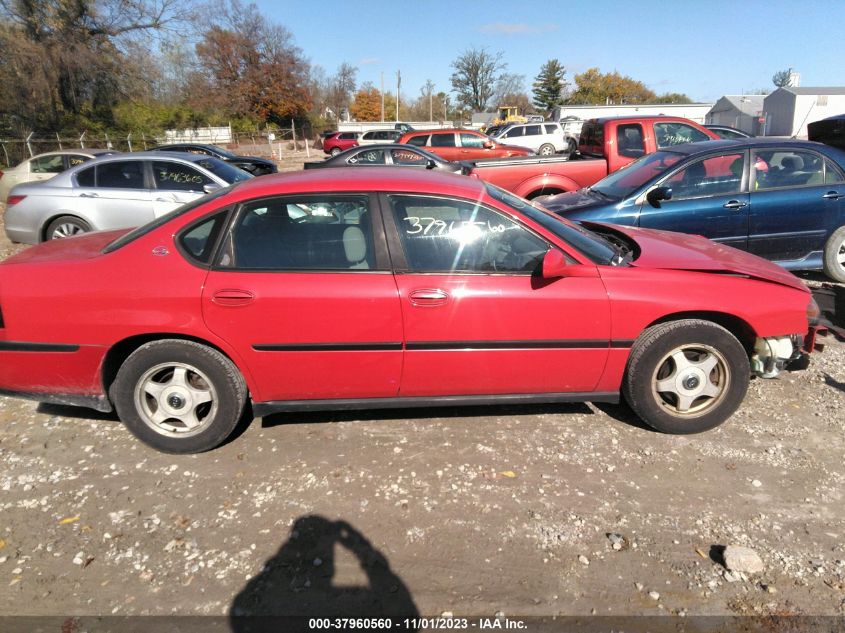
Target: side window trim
<point>218,239</point>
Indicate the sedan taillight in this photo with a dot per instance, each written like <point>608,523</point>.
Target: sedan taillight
<point>13,200</point>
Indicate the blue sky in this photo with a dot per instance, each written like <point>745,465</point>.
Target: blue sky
<point>704,49</point>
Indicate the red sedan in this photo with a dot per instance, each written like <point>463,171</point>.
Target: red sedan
<point>350,288</point>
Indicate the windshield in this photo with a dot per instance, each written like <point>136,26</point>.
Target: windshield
<point>222,152</point>
<point>223,170</point>
<point>597,249</point>
<point>623,182</point>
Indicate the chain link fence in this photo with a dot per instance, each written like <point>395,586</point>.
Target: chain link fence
<point>258,143</point>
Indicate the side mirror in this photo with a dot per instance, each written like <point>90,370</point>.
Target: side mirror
<point>488,145</point>
<point>554,264</point>
<point>211,187</point>
<point>657,194</point>
<point>430,164</point>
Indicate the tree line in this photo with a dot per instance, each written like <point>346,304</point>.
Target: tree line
<point>148,65</point>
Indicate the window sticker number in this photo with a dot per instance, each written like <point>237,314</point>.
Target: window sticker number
<point>433,226</point>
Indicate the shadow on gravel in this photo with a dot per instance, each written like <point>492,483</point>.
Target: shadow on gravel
<point>422,413</point>
<point>622,413</point>
<point>830,381</point>
<point>68,411</point>
<point>299,581</point>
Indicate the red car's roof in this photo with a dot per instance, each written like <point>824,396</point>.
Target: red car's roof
<point>356,179</point>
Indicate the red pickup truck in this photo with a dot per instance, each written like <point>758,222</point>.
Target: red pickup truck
<point>605,145</point>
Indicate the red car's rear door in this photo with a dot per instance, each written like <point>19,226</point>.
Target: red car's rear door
<point>476,320</point>
<point>303,292</point>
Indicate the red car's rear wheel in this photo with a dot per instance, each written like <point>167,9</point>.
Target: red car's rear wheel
<point>179,396</point>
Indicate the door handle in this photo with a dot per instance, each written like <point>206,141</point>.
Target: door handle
<point>232,297</point>
<point>89,195</point>
<point>428,297</point>
<point>832,195</point>
<point>735,204</point>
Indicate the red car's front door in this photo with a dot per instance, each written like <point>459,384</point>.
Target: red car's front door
<point>303,295</point>
<point>476,320</point>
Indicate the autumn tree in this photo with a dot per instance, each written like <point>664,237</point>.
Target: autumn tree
<point>475,76</point>
<point>367,104</point>
<point>251,67</point>
<point>597,88</point>
<point>549,85</point>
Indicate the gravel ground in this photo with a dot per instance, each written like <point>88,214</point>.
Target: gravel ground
<point>541,510</point>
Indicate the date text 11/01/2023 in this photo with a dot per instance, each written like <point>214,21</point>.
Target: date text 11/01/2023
<point>417,624</point>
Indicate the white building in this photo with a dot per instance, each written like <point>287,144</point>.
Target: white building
<point>743,112</point>
<point>788,110</point>
<point>694,111</point>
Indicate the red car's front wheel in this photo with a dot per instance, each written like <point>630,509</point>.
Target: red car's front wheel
<point>686,376</point>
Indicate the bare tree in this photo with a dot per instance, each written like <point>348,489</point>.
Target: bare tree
<point>476,72</point>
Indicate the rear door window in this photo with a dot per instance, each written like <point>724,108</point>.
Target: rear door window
<point>121,175</point>
<point>443,140</point>
<point>471,140</point>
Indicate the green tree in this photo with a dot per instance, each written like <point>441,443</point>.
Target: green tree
<point>65,62</point>
<point>782,78</point>
<point>673,97</point>
<point>597,88</point>
<point>475,76</point>
<point>549,85</point>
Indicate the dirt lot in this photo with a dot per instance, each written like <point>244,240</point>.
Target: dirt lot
<point>543,510</point>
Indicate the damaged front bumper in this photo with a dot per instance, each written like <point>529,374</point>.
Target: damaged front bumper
<point>775,353</point>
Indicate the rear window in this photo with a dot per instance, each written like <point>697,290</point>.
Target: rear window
<point>592,139</point>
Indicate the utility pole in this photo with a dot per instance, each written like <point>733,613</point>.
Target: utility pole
<point>382,96</point>
<point>398,84</point>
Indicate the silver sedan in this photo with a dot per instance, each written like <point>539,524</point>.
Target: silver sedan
<point>112,192</point>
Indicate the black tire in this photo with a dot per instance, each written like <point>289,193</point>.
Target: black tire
<point>572,146</point>
<point>834,255</point>
<point>65,226</point>
<point>336,151</point>
<point>547,149</point>
<point>159,402</point>
<point>710,386</point>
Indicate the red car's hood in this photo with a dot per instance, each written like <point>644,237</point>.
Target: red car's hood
<point>83,246</point>
<point>678,251</point>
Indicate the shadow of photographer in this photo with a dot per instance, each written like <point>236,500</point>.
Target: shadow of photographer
<point>300,580</point>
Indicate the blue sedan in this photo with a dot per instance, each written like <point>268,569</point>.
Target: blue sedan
<point>781,199</point>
